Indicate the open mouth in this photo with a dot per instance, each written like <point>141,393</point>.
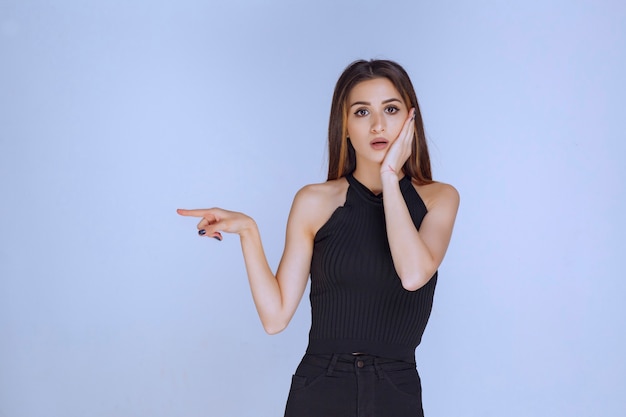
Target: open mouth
<point>379,143</point>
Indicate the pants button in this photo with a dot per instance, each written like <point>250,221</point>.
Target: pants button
<point>359,364</point>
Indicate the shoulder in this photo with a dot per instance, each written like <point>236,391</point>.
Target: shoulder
<point>322,193</point>
<point>315,203</point>
<point>438,194</point>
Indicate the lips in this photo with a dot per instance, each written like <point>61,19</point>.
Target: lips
<point>379,143</point>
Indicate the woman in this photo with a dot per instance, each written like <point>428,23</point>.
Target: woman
<point>373,261</point>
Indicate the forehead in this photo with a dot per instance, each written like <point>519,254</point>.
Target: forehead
<point>376,90</point>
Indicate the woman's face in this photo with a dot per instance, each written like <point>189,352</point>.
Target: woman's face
<point>376,114</point>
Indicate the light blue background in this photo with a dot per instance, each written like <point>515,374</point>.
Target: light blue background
<point>115,113</point>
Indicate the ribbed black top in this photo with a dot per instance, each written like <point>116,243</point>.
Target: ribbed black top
<point>358,303</point>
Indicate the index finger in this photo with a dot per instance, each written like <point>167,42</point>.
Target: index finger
<point>411,116</point>
<point>408,124</point>
<point>194,212</point>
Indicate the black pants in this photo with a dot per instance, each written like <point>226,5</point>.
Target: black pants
<point>345,385</point>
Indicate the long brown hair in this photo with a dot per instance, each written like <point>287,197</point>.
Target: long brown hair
<point>341,155</point>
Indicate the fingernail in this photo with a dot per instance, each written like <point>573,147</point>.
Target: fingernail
<point>201,232</point>
<point>217,238</point>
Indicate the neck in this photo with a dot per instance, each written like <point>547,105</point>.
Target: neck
<point>369,176</point>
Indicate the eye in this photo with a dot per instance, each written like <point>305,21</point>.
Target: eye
<point>392,109</point>
<point>361,113</point>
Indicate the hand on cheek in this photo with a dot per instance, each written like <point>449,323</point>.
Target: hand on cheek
<point>400,150</point>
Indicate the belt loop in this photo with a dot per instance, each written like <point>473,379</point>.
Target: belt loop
<point>380,373</point>
<point>331,366</point>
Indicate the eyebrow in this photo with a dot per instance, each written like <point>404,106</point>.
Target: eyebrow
<point>367,103</point>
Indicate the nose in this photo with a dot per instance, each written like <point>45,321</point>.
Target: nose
<point>378,124</point>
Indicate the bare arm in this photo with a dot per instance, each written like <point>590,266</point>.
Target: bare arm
<point>276,297</point>
<point>416,254</point>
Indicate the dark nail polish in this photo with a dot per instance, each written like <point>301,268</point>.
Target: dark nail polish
<point>201,232</point>
<point>217,238</point>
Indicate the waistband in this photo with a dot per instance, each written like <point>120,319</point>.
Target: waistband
<point>357,362</point>
<point>377,349</point>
